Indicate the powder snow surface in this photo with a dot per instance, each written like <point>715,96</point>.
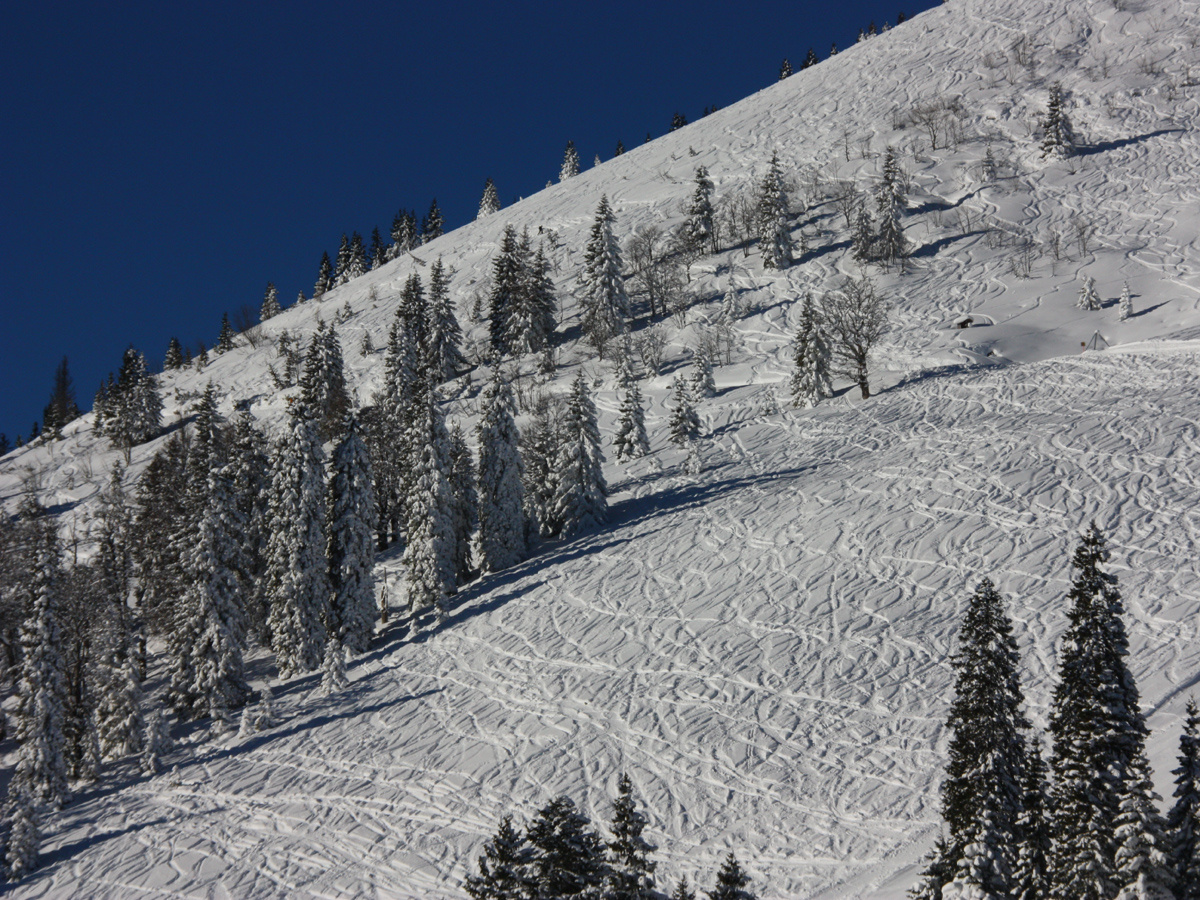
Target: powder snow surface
<point>764,647</point>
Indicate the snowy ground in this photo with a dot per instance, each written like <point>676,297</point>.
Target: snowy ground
<point>764,647</point>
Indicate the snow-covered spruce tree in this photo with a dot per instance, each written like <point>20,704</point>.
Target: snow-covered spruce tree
<point>156,742</point>
<point>432,225</point>
<point>333,668</point>
<point>504,868</point>
<point>702,382</point>
<point>502,527</point>
<point>856,319</point>
<point>270,305</point>
<point>1125,306</point>
<point>810,60</point>
<point>413,311</point>
<point>785,69</point>
<point>630,440</point>
<point>1098,736</point>
<point>342,262</point>
<point>811,382</point>
<point>684,424</point>
<point>324,277</point>
<point>700,226</point>
<point>388,423</point>
<point>890,244</point>
<point>1143,868</point>
<point>213,684</point>
<point>132,408</point>
<point>1031,878</point>
<point>774,236</point>
<point>581,493</point>
<point>445,359</point>
<point>1058,140</point>
<point>261,715</point>
<point>429,530</point>
<point>120,724</point>
<point>465,516</point>
<point>631,875</point>
<point>531,319</point>
<point>174,357</point>
<point>605,303</point>
<point>356,259</point>
<point>539,454</point>
<point>351,551</point>
<point>42,685</point>
<point>731,882</point>
<point>568,856</point>
<point>570,163</point>
<point>323,384</point>
<point>862,241</point>
<point>225,338</point>
<point>158,515</point>
<point>249,477</point>
<point>1089,297</point>
<point>21,813</point>
<point>297,580</point>
<point>378,249</point>
<point>1183,821</point>
<point>508,281</point>
<point>490,201</point>
<point>982,796</point>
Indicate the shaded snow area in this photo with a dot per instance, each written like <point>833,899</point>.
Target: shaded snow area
<point>765,646</point>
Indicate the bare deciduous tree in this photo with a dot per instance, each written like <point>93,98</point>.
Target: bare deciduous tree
<point>657,269</point>
<point>856,318</point>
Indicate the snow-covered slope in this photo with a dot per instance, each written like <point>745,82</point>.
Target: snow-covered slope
<point>763,647</point>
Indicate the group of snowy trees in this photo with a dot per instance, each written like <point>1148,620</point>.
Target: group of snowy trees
<point>837,339</point>
<point>1085,826</point>
<point>521,304</point>
<point>560,855</point>
<point>129,409</point>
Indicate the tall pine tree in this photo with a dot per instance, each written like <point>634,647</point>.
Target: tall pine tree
<point>502,530</point>
<point>1183,821</point>
<point>581,493</point>
<point>351,552</point>
<point>605,303</point>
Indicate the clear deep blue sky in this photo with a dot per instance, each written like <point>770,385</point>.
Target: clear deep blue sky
<point>161,162</point>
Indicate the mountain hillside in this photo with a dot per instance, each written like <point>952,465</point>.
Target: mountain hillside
<point>762,646</point>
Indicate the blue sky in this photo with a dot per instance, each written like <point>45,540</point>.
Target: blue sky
<point>163,161</point>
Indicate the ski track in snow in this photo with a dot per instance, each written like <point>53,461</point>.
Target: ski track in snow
<point>763,647</point>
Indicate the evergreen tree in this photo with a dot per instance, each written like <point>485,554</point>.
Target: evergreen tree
<point>702,382</point>
<point>324,277</point>
<point>810,60</point>
<point>833,50</point>
<point>531,319</point>
<point>570,164</point>
<point>731,882</point>
<point>445,334</point>
<point>323,384</point>
<point>502,530</point>
<point>785,69</point>
<point>174,357</point>
<point>1058,141</point>
<point>270,305</point>
<point>581,493</point>
<point>605,303</point>
<point>297,580</point>
<point>620,149</point>
<point>433,225</point>
<point>678,121</point>
<point>404,232</point>
<point>811,381</point>
<point>504,868</point>
<point>356,258</point>
<point>1183,821</point>
<point>24,837</point>
<point>42,688</point>
<point>429,550</point>
<point>132,408</point>
<point>982,797</point>
<point>225,338</point>
<point>630,440</point>
<point>342,265</point>
<point>568,856</point>
<point>378,249</point>
<point>333,668</point>
<point>213,683</point>
<point>683,890</point>
<point>632,870</point>
<point>155,743</point>
<point>774,237</point>
<point>1143,869</point>
<point>261,715</point>
<point>351,551</point>
<point>508,281</point>
<point>862,242</point>
<point>490,201</point>
<point>890,244</point>
<point>700,225</point>
<point>539,453</point>
<point>1031,879</point>
<point>62,407</point>
<point>1089,297</point>
<point>684,424</point>
<point>1125,307</point>
<point>249,479</point>
<point>465,516</point>
<point>1098,733</point>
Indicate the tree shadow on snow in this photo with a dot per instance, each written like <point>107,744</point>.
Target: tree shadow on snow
<point>1105,146</point>
<point>67,851</point>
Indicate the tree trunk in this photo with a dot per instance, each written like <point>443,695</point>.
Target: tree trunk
<point>865,387</point>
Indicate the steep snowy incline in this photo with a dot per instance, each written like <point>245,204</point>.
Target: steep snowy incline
<point>763,647</point>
